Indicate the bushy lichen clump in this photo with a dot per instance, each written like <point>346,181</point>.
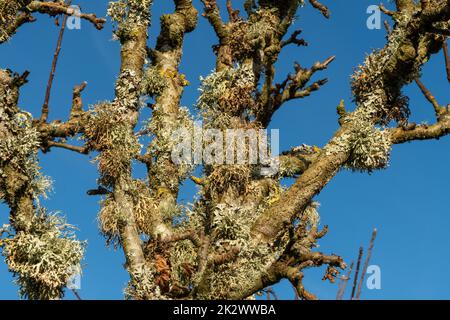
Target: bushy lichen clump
<point>225,94</point>
<point>107,132</point>
<point>44,257</point>
<point>128,13</point>
<point>142,285</point>
<point>143,210</point>
<point>18,153</point>
<point>228,178</point>
<point>247,37</point>
<point>154,82</point>
<point>369,146</point>
<point>376,85</point>
<point>231,223</point>
<point>166,137</point>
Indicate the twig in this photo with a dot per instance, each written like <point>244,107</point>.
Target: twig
<point>427,93</point>
<point>82,150</point>
<point>358,265</point>
<point>447,60</point>
<point>293,39</point>
<point>75,292</point>
<point>323,9</point>
<point>233,14</point>
<point>366,263</point>
<point>44,113</point>
<point>386,11</point>
<point>269,292</point>
<point>343,283</point>
<point>388,28</point>
<point>53,9</point>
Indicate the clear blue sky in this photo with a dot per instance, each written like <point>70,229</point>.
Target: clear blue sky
<point>407,202</point>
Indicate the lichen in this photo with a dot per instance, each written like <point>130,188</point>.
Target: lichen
<point>107,132</point>
<point>153,83</point>
<point>141,285</point>
<point>164,141</point>
<point>129,14</point>
<point>369,146</point>
<point>225,94</point>
<point>43,258</point>
<point>19,144</point>
<point>144,209</point>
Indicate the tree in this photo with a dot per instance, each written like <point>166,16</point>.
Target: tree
<point>244,232</point>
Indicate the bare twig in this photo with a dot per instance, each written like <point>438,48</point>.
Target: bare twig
<point>293,39</point>
<point>366,263</point>
<point>388,28</point>
<point>270,292</point>
<point>386,11</point>
<point>343,283</point>
<point>233,14</point>
<point>82,150</point>
<point>447,60</point>
<point>427,93</point>
<point>323,9</point>
<point>358,265</point>
<point>75,292</point>
<point>44,112</point>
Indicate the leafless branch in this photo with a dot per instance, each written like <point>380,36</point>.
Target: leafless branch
<point>358,265</point>
<point>45,106</point>
<point>366,263</point>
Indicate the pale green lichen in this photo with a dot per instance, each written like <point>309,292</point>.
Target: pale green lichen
<point>166,139</point>
<point>225,94</point>
<point>19,143</point>
<point>128,14</point>
<point>142,286</point>
<point>153,83</point>
<point>43,258</point>
<point>368,145</point>
<point>107,132</point>
<point>232,223</point>
<point>144,209</point>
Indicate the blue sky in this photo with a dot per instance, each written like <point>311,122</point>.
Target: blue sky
<point>407,203</point>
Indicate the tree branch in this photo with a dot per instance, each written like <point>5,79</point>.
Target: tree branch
<point>447,60</point>
<point>53,9</point>
<point>44,111</point>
